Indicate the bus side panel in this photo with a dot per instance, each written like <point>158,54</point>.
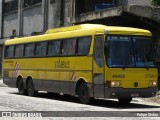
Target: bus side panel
<point>47,74</point>
<point>71,70</point>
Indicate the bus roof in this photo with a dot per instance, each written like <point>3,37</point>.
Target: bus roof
<point>79,30</point>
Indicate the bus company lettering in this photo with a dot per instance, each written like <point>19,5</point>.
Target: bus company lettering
<point>62,64</point>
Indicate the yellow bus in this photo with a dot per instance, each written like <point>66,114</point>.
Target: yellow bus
<point>87,60</point>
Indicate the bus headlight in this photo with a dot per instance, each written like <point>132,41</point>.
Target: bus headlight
<point>113,83</point>
<point>152,84</point>
<point>118,84</point>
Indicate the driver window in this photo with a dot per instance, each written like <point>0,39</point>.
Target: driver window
<point>98,51</point>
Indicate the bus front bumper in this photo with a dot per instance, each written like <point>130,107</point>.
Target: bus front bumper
<point>130,93</point>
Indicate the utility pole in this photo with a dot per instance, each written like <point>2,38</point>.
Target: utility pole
<point>20,17</point>
<point>1,18</point>
<point>45,7</point>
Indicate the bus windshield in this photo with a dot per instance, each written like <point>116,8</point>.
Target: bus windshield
<point>129,51</point>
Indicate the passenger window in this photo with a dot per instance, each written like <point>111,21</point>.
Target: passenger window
<point>84,45</point>
<point>9,52</point>
<point>98,51</point>
<point>19,51</point>
<point>41,49</point>
<point>69,47</point>
<point>29,49</point>
<point>54,48</point>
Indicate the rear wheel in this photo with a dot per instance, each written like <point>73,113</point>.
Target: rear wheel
<point>83,93</point>
<point>125,100</point>
<point>30,88</point>
<point>21,88</point>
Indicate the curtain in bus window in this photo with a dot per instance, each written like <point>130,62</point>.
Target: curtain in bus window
<point>84,45</point>
<point>54,48</point>
<point>69,47</point>
<point>41,49</point>
<point>29,50</point>
<point>19,51</point>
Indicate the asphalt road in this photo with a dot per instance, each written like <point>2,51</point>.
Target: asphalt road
<point>64,107</point>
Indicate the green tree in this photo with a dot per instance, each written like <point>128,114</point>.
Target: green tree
<point>155,2</point>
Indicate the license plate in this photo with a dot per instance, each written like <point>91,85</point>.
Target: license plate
<point>134,94</point>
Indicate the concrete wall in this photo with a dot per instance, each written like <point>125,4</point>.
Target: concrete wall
<point>68,12</point>
<point>140,2</point>
<point>10,23</point>
<point>32,20</point>
<point>54,14</point>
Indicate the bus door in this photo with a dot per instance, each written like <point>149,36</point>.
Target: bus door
<point>98,67</point>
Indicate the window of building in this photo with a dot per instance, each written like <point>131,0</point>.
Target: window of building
<point>19,51</point>
<point>29,50</point>
<point>69,47</point>
<point>54,48</point>
<point>9,51</point>
<point>10,6</point>
<point>41,49</point>
<point>92,5</point>
<point>28,3</point>
<point>84,45</point>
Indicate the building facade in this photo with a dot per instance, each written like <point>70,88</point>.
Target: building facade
<point>34,16</point>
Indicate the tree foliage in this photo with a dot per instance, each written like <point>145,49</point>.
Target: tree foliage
<point>155,2</point>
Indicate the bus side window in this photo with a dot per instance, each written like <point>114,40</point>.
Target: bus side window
<point>9,51</point>
<point>6,51</point>
<point>41,49</point>
<point>54,47</point>
<point>29,50</point>
<point>19,50</point>
<point>69,47</point>
<point>83,45</point>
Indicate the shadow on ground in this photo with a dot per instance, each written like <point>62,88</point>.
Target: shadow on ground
<point>95,102</point>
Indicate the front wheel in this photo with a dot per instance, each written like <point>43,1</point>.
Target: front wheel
<point>125,100</point>
<point>83,93</point>
<point>30,88</point>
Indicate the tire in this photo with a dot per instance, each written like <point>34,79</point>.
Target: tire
<point>83,93</point>
<point>21,89</point>
<point>30,88</point>
<point>125,100</point>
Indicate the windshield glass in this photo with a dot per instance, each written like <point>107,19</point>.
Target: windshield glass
<point>128,51</point>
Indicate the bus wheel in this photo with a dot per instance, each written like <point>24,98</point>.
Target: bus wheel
<point>125,100</point>
<point>20,86</point>
<point>30,88</point>
<point>83,93</point>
